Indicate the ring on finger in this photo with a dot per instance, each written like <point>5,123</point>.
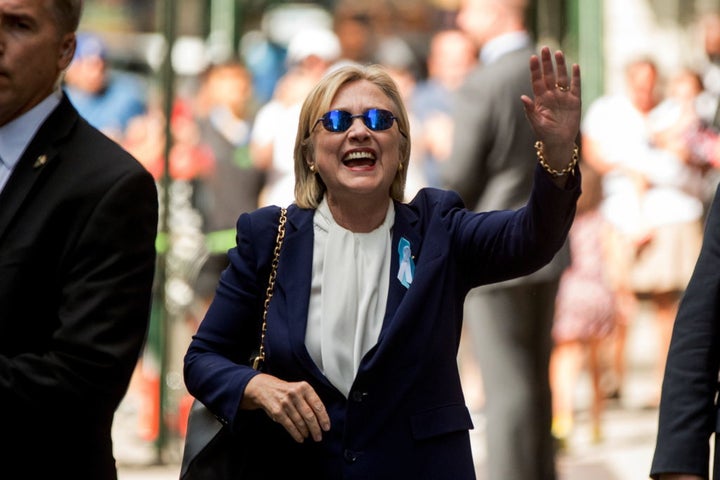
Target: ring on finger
<point>562,88</point>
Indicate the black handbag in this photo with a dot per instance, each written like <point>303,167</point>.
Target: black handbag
<point>212,450</point>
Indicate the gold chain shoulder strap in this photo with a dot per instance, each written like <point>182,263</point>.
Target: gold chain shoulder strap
<point>260,357</point>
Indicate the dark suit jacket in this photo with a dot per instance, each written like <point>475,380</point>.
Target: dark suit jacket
<point>688,412</point>
<point>406,415</point>
<point>493,144</point>
<point>78,221</point>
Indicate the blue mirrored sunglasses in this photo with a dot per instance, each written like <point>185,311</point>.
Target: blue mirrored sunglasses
<point>339,120</point>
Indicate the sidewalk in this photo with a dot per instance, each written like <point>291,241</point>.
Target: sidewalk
<point>629,429</point>
<point>624,454</point>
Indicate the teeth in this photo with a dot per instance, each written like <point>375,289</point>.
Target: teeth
<point>359,155</point>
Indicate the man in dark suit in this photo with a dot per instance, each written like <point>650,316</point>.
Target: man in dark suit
<point>510,322</point>
<point>77,228</point>
<point>688,406</point>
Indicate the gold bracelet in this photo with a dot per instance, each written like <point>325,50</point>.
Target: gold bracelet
<point>540,151</point>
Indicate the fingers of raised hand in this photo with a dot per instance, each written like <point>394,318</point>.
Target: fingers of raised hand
<point>575,85</point>
<point>548,76</point>
<point>548,70</point>
<point>562,81</point>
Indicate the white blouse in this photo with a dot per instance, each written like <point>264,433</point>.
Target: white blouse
<point>350,280</point>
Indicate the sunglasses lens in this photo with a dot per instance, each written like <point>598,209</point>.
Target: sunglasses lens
<point>336,120</point>
<point>376,119</point>
<point>340,120</point>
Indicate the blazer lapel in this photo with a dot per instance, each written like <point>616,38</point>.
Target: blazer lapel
<point>38,161</point>
<point>295,276</point>
<point>294,279</point>
<point>404,228</point>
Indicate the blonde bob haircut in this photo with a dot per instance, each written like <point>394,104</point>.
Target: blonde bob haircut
<point>309,187</point>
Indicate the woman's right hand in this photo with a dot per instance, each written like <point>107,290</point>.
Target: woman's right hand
<point>294,405</point>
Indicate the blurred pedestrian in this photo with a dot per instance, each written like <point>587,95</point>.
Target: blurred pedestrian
<point>584,314</point>
<point>451,56</point>
<point>708,104</point>
<point>108,99</point>
<point>510,322</point>
<point>310,54</point>
<point>677,126</point>
<point>224,116</point>
<point>144,138</point>
<point>361,378</point>
<point>77,256</point>
<point>399,60</point>
<point>676,122</point>
<point>710,25</point>
<point>647,200</point>
<point>356,33</point>
<point>614,133</point>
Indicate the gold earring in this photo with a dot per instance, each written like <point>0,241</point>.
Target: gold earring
<point>312,167</point>
<point>400,167</point>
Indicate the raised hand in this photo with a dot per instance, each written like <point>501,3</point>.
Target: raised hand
<point>554,113</point>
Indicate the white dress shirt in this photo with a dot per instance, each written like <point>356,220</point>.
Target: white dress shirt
<point>350,281</point>
<point>17,134</point>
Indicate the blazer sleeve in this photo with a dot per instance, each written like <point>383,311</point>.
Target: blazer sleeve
<point>216,364</point>
<point>500,245</point>
<point>687,416</point>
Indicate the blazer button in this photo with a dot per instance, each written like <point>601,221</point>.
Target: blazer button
<point>356,396</point>
<point>350,456</point>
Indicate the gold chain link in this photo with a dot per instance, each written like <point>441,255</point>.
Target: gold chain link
<point>570,168</point>
<point>257,362</point>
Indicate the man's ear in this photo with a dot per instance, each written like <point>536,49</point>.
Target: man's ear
<point>67,50</point>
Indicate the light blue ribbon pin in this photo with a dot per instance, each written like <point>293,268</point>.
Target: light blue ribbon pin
<point>406,271</point>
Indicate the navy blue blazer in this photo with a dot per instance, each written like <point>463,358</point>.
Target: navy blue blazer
<point>406,415</point>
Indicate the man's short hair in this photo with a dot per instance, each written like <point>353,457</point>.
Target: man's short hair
<point>67,14</point>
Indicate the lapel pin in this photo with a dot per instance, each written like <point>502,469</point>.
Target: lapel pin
<point>40,161</point>
<point>406,270</point>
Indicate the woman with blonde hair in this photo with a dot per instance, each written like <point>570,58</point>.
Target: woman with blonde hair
<point>361,377</point>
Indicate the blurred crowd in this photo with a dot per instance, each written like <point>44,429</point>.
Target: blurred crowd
<point>650,157</point>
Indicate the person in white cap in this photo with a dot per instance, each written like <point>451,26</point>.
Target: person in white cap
<point>311,52</point>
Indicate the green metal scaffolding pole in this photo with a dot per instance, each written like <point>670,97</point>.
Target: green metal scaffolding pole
<point>167,81</point>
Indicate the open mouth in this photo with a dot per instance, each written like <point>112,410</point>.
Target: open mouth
<point>359,160</point>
